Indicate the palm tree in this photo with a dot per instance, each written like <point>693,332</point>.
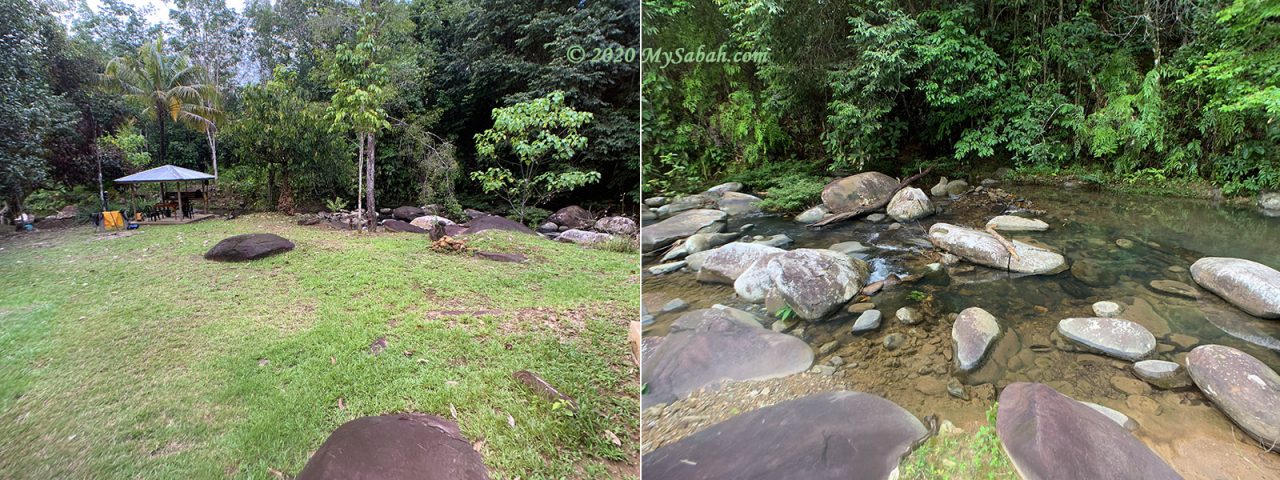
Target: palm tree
<point>168,88</point>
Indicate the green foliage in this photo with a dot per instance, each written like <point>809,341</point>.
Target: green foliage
<point>131,146</point>
<point>975,456</point>
<point>785,313</point>
<point>542,135</point>
<point>336,204</point>
<point>917,296</point>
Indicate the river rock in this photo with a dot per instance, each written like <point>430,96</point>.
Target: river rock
<point>1115,416</point>
<point>666,268</point>
<point>250,246</point>
<point>812,215</point>
<point>401,226</point>
<point>858,191</point>
<point>572,216</point>
<point>851,248</point>
<point>1107,309</point>
<point>1242,386</point>
<point>957,187</point>
<point>867,321</point>
<point>908,316</point>
<point>1162,374</point>
<point>699,242</point>
<point>655,202</point>
<point>426,222</point>
<point>398,446</point>
<point>1113,336</point>
<point>1049,435</point>
<point>1269,200</point>
<point>974,332</point>
<point>494,222</point>
<point>1252,286</point>
<point>808,438</point>
<point>982,248</point>
<point>909,204</point>
<point>812,282</point>
<point>940,189</point>
<point>583,237</point>
<point>725,187</point>
<point>617,225</point>
<point>727,263</point>
<point>780,240</point>
<point>647,215</point>
<point>683,224</point>
<point>691,202</point>
<point>408,213</point>
<point>739,204</point>
<point>1175,288</point>
<point>709,346</point>
<point>1011,223</point>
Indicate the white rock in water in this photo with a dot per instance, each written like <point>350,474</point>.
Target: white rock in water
<point>1107,309</point>
<point>1010,223</point>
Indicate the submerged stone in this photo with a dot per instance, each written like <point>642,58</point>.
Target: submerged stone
<point>1113,336</point>
<point>973,333</point>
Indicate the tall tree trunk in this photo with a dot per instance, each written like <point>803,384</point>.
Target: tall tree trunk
<point>164,141</point>
<point>372,213</point>
<point>213,150</point>
<point>360,174</point>
<point>285,204</point>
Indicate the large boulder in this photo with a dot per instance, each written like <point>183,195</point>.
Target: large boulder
<point>984,249</point>
<point>427,222</point>
<point>738,204</point>
<point>617,225</point>
<point>572,216</point>
<point>710,346</point>
<point>583,237</point>
<point>407,213</point>
<point>1049,435</point>
<point>699,242</point>
<point>1116,337</point>
<point>725,187</point>
<point>909,204</point>
<point>1252,286</point>
<point>858,191</point>
<point>494,222</point>
<point>250,246</point>
<point>726,264</point>
<point>974,332</point>
<point>1269,201</point>
<point>1242,386</point>
<point>691,202</point>
<point>812,282</point>
<point>399,446</point>
<point>681,225</point>
<point>402,226</point>
<point>827,436</point>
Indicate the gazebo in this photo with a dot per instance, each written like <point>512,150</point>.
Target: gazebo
<point>178,175</point>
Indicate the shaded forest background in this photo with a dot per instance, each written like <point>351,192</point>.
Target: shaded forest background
<point>1163,93</point>
<point>444,66</point>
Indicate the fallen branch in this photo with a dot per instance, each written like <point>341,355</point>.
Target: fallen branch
<point>840,217</point>
<point>1013,252</point>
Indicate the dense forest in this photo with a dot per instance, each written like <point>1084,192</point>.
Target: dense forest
<point>288,101</point>
<point>1136,92</point>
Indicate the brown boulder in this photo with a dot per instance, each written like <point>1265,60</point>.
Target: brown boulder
<point>397,446</point>
<point>858,191</point>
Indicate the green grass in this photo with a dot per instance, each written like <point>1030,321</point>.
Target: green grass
<point>963,456</point>
<point>135,358</point>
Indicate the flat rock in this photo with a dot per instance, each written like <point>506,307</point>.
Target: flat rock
<point>814,283</point>
<point>1162,374</point>
<point>407,213</point>
<point>1011,223</point>
<point>727,263</point>
<point>683,224</point>
<point>1113,336</point>
<point>1252,286</point>
<point>909,204</point>
<point>1107,309</point>
<point>1175,288</point>
<point>402,226</point>
<point>867,321</point>
<point>1241,386</point>
<point>399,446</point>
<point>807,438</point>
<point>425,222</point>
<point>709,346</point>
<point>982,248</point>
<point>857,191</point>
<point>973,333</point>
<point>494,222</point>
<point>667,267</point>
<point>1049,435</point>
<point>812,215</point>
<point>250,246</point>
<point>851,248</point>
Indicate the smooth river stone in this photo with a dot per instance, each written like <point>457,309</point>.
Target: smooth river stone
<point>867,321</point>
<point>710,346</point>
<point>813,282</point>
<point>1242,386</point>
<point>858,191</point>
<point>1115,416</point>
<point>973,332</point>
<point>1113,336</point>
<point>397,446</point>
<point>1175,288</point>
<point>1252,286</point>
<point>1049,436</point>
<point>683,224</point>
<point>1011,223</point>
<point>726,264</point>
<point>825,436</point>
<point>1107,309</point>
<point>1162,374</point>
<point>982,248</point>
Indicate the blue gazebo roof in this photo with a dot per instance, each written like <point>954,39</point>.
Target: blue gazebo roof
<point>166,173</point>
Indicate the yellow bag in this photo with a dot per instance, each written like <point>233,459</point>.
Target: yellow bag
<point>112,220</point>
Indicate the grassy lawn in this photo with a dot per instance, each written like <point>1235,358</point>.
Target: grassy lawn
<point>135,358</point>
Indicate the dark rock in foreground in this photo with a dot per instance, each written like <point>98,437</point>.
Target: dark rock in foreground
<point>398,446</point>
<point>494,222</point>
<point>1050,436</point>
<point>834,435</point>
<point>572,216</point>
<point>250,246</point>
<point>407,213</point>
<point>707,347</point>
<point>1242,386</point>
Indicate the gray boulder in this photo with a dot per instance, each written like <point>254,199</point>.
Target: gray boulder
<point>402,226</point>
<point>494,222</point>
<point>1241,386</point>
<point>250,246</point>
<point>857,191</point>
<point>572,216</point>
<point>940,189</point>
<point>909,204</point>
<point>725,187</point>
<point>812,215</point>
<point>398,446</point>
<point>408,213</point>
<point>1116,337</point>
<point>699,242</point>
<point>957,187</point>
<point>738,204</point>
<point>1049,435</point>
<point>709,346</point>
<point>656,202</point>
<point>982,248</point>
<point>812,282</point>
<point>617,226</point>
<point>780,240</point>
<point>683,224</point>
<point>726,264</point>
<point>869,320</point>
<point>827,436</point>
<point>1252,286</point>
<point>1011,223</point>
<point>427,222</point>
<point>1269,201</point>
<point>583,237</point>
<point>974,332</point>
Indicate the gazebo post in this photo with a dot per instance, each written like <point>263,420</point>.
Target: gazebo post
<point>205,194</point>
<point>179,192</point>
